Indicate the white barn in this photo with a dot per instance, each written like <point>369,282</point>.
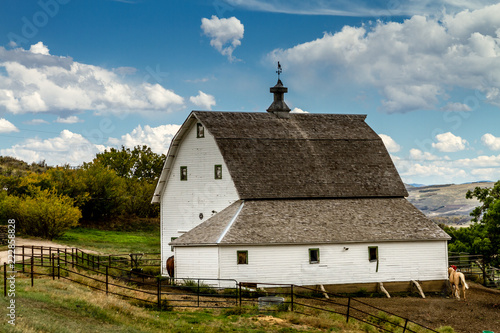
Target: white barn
<point>295,198</point>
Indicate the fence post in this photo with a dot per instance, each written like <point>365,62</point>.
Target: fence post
<point>239,294</point>
<point>107,280</point>
<point>291,297</point>
<point>65,256</point>
<point>72,257</point>
<point>406,323</point>
<point>50,254</point>
<point>58,264</point>
<point>5,279</point>
<point>41,256</point>
<point>198,292</point>
<point>23,258</point>
<point>32,269</point>
<point>348,308</point>
<point>98,257</point>
<point>158,282</point>
<point>53,268</point>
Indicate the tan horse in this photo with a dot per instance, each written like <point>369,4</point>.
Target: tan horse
<point>455,279</point>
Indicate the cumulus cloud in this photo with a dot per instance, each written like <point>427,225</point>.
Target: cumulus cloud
<point>417,154</point>
<point>39,48</point>
<point>225,33</point>
<point>390,144</point>
<point>68,120</point>
<point>413,64</point>
<point>448,142</point>
<point>67,148</point>
<point>37,82</point>
<point>491,141</point>
<point>297,110</point>
<point>157,138</point>
<point>7,127</point>
<point>203,100</point>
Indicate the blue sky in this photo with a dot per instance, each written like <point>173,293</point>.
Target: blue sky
<point>81,76</point>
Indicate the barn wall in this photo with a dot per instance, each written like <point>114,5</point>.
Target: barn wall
<point>422,261</point>
<point>183,201</point>
<point>196,262</point>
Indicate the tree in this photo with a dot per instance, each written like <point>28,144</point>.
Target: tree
<point>107,193</point>
<point>44,214</point>
<point>140,163</point>
<point>485,238</point>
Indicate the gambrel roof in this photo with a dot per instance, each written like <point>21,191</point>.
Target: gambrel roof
<point>314,221</point>
<point>301,156</point>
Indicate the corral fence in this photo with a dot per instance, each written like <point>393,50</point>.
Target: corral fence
<point>473,266</point>
<point>163,293</point>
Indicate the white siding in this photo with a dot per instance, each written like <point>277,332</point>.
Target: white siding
<point>183,201</point>
<point>398,261</point>
<point>196,262</point>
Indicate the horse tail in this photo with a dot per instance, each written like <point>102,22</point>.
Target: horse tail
<point>462,277</point>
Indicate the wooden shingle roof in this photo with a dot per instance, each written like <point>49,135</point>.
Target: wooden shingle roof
<point>314,221</point>
<point>303,156</point>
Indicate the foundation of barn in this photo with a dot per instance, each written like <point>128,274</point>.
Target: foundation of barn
<point>391,287</point>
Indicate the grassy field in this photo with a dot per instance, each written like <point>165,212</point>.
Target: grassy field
<point>112,242</point>
<point>58,306</point>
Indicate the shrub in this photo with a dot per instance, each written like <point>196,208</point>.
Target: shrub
<point>45,214</point>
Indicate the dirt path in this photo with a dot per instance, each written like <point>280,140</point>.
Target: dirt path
<point>35,242</point>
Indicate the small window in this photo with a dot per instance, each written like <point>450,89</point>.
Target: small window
<point>218,171</point>
<point>172,239</point>
<point>200,131</point>
<point>314,256</point>
<point>242,257</point>
<point>184,173</point>
<point>373,253</point>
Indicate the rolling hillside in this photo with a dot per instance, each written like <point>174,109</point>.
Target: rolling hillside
<point>445,203</point>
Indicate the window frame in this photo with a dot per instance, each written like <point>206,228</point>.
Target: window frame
<point>200,131</point>
<point>311,261</point>
<point>184,167</point>
<point>245,252</point>
<point>370,258</point>
<point>217,166</point>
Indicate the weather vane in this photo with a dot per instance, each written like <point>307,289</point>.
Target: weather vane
<point>279,70</point>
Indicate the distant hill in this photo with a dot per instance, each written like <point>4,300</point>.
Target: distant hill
<point>445,203</point>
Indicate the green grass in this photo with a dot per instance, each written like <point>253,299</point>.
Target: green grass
<point>58,306</point>
<point>112,242</point>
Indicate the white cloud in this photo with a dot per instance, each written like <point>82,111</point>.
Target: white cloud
<point>491,141</point>
<point>39,48</point>
<point>456,107</point>
<point>448,142</point>
<point>417,154</point>
<point>36,122</point>
<point>7,127</point>
<point>413,64</point>
<point>491,174</point>
<point>359,8</point>
<point>68,120</point>
<point>297,110</point>
<point>390,144</point>
<point>225,34</point>
<point>157,138</point>
<point>67,148</point>
<point>480,161</point>
<point>203,100</point>
<point>35,81</point>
